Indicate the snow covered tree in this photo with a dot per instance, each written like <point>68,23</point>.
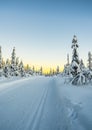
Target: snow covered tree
<point>7,62</point>
<point>13,57</point>
<point>82,66</point>
<point>14,64</point>
<point>17,67</point>
<point>75,58</point>
<point>27,67</point>
<point>0,58</point>
<point>67,67</point>
<point>17,61</point>
<point>33,69</point>
<point>79,79</point>
<point>77,67</point>
<point>6,71</point>
<point>57,70</point>
<point>28,70</point>
<point>1,63</point>
<point>90,61</point>
<point>68,59</point>
<point>7,68</point>
<point>51,72</point>
<point>41,70</point>
<point>21,69</point>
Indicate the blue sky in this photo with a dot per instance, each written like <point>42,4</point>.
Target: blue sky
<point>42,30</point>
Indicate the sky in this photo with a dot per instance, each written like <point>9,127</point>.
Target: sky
<point>42,30</point>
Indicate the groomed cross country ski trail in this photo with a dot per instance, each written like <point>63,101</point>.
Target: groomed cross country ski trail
<point>44,103</point>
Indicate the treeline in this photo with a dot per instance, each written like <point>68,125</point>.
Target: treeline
<point>15,67</point>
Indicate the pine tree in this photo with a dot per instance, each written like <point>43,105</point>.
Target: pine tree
<point>0,58</point>
<point>13,63</point>
<point>28,70</point>
<point>68,59</point>
<point>41,70</point>
<point>33,69</point>
<point>57,70</point>
<point>17,61</point>
<point>21,69</point>
<point>77,67</point>
<point>82,66</point>
<point>75,58</point>
<point>13,57</point>
<point>8,62</point>
<point>17,67</point>
<point>90,61</point>
<point>50,73</point>
<point>67,67</point>
<point>53,72</point>
<point>27,67</point>
<point>7,71</point>
<point>1,63</point>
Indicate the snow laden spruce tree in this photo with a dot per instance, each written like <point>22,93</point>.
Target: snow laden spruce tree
<point>7,69</point>
<point>67,70</point>
<point>90,61</point>
<point>1,69</point>
<point>57,70</point>
<point>41,71</point>
<point>82,66</point>
<point>21,69</point>
<point>13,62</point>
<point>89,72</point>
<point>0,58</point>
<point>77,65</point>
<point>75,57</point>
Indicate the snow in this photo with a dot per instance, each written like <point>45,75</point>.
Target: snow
<point>44,103</point>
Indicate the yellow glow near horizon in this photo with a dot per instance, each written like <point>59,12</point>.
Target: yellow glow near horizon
<point>46,68</point>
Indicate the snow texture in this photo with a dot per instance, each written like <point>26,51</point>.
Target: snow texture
<point>44,103</point>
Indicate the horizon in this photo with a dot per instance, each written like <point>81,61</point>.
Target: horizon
<point>42,31</point>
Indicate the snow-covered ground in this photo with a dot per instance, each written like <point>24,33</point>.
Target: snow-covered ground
<point>44,103</point>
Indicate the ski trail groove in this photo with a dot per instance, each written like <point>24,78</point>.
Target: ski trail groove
<point>37,113</point>
<point>26,117</point>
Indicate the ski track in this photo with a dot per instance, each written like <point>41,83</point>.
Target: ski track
<point>38,111</point>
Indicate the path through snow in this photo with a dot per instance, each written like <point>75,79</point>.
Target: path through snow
<point>36,103</point>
